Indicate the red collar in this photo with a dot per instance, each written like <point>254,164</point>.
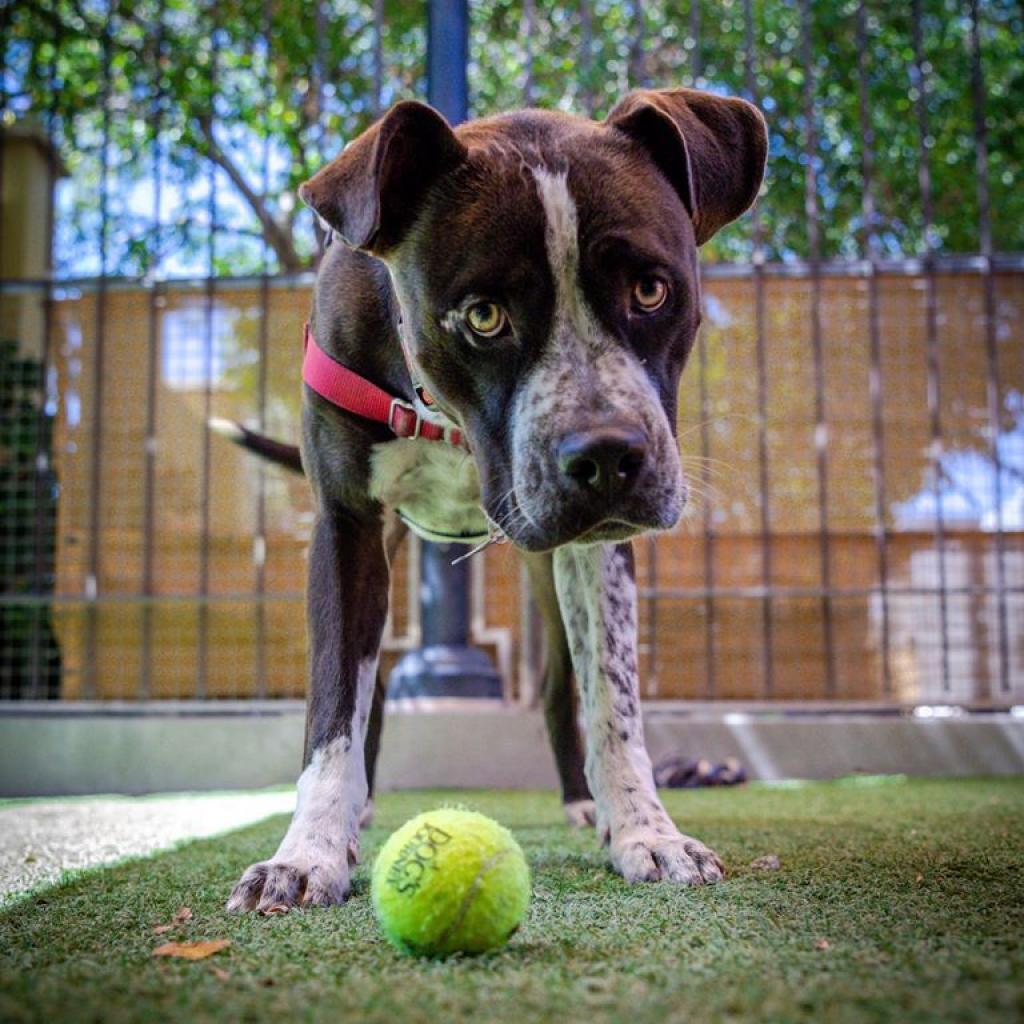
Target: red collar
<point>347,390</point>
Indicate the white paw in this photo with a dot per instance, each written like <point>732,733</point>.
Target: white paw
<point>580,813</point>
<point>318,877</point>
<point>649,855</point>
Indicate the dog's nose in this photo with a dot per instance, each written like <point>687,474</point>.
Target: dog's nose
<point>606,460</point>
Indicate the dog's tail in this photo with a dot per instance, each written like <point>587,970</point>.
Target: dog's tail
<point>281,454</point>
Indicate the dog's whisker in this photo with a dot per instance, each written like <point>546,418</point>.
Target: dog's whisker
<point>512,520</point>
<point>707,492</point>
<point>514,516</point>
<point>707,466</point>
<point>697,457</point>
<point>703,491</point>
<point>495,538</point>
<point>711,420</point>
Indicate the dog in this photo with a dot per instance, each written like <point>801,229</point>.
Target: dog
<point>498,329</point>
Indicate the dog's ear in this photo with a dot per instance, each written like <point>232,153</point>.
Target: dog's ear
<point>711,148</point>
<point>371,193</point>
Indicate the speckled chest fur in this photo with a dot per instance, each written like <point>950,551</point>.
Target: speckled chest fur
<point>434,488</point>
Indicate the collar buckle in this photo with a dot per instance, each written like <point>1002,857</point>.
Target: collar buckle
<point>404,420</point>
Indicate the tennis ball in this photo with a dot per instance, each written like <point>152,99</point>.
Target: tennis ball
<point>450,881</point>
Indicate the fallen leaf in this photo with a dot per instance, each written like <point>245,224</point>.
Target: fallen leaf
<point>181,915</point>
<point>191,950</point>
<point>220,974</point>
<point>769,862</point>
<point>822,944</point>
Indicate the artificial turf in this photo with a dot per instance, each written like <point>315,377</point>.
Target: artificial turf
<point>895,900</point>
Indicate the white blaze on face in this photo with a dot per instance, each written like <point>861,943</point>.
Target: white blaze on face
<point>586,372</point>
<point>561,238</point>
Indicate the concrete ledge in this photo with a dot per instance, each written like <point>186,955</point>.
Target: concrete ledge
<point>63,750</point>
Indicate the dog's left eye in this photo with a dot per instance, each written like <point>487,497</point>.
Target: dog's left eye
<point>486,319</point>
<point>649,294</point>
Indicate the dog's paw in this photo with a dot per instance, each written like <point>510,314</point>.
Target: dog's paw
<point>580,813</point>
<point>646,855</point>
<point>286,882</point>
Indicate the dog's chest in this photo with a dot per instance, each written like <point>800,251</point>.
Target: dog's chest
<point>434,487</point>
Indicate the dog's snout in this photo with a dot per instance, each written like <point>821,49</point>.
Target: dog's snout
<point>605,460</point>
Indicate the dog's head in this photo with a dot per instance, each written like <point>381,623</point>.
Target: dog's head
<point>546,269</point>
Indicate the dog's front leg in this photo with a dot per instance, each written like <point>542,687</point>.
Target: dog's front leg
<point>560,706</point>
<point>597,595</point>
<point>347,604</point>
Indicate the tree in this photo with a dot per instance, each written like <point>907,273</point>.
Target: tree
<point>245,98</point>
<point>251,96</point>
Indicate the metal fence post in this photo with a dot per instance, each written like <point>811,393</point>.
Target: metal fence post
<point>445,665</point>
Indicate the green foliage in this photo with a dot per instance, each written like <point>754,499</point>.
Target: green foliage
<point>247,93</point>
<point>251,96</point>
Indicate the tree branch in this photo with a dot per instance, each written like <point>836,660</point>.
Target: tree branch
<point>278,238</point>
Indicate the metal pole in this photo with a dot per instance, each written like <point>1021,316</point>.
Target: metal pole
<point>587,56</point>
<point>821,437</point>
<point>448,57</point>
<point>89,687</point>
<point>445,665</point>
<point>206,453</point>
<point>919,79</point>
<point>43,680</point>
<point>760,322</point>
<point>152,376</point>
<point>637,56</point>
<point>260,541</point>
<point>527,31</point>
<point>869,251</point>
<point>993,385</point>
<point>707,524</point>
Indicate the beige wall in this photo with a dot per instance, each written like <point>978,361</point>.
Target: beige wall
<point>691,646</point>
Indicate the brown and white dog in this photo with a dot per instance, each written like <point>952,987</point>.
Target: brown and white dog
<point>540,272</point>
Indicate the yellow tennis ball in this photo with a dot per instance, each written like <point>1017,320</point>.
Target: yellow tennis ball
<point>450,881</point>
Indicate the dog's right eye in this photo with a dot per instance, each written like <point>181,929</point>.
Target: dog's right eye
<point>486,319</point>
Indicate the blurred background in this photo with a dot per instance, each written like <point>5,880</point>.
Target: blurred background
<point>852,417</point>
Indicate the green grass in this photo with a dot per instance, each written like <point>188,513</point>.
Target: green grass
<point>915,886</point>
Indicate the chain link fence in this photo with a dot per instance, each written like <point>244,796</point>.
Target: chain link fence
<point>852,418</point>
